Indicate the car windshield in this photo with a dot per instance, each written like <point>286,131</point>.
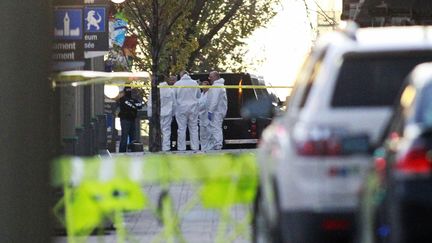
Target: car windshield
<point>373,80</point>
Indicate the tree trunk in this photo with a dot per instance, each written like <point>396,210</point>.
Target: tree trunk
<point>155,144</point>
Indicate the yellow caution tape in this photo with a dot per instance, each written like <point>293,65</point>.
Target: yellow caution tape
<point>208,86</point>
<point>104,81</point>
<point>83,77</point>
<point>227,87</point>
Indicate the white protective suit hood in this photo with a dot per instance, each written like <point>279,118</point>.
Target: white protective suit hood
<point>217,98</point>
<point>186,98</point>
<point>167,101</point>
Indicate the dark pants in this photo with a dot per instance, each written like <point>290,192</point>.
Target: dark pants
<point>127,130</point>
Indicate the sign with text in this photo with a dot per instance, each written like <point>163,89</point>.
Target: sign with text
<point>80,28</point>
<point>68,34</point>
<point>79,2</point>
<point>95,28</point>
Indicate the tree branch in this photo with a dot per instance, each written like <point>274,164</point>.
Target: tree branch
<point>139,16</point>
<point>204,40</point>
<point>168,29</point>
<point>195,16</point>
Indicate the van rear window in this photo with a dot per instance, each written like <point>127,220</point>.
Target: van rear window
<point>237,97</point>
<point>374,79</point>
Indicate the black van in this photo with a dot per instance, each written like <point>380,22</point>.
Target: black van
<point>238,132</point>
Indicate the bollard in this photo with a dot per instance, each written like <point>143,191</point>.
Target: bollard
<point>102,132</point>
<point>79,149</point>
<point>69,145</point>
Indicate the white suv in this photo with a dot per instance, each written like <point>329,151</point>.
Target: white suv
<point>314,157</point>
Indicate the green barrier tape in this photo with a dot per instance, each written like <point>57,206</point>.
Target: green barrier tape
<point>83,212</point>
<point>99,188</point>
<point>220,194</point>
<point>91,202</point>
<point>154,168</point>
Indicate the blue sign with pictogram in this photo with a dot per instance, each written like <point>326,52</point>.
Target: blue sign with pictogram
<point>80,31</point>
<point>95,29</point>
<point>68,24</point>
<point>94,19</point>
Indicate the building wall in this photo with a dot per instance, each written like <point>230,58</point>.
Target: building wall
<point>328,14</point>
<point>369,13</point>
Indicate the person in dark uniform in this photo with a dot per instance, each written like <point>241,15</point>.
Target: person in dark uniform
<point>128,112</point>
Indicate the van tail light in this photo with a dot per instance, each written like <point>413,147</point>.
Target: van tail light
<point>317,140</point>
<point>335,224</point>
<point>327,141</point>
<point>380,163</point>
<point>330,146</point>
<point>253,129</point>
<point>415,160</point>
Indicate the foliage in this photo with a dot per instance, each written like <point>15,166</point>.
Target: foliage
<point>155,22</point>
<point>221,45</point>
<point>197,35</point>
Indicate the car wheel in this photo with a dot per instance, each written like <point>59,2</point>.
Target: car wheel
<point>259,227</point>
<point>262,230</point>
<point>386,227</point>
<point>380,227</point>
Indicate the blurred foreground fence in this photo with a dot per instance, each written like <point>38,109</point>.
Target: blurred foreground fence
<point>98,189</point>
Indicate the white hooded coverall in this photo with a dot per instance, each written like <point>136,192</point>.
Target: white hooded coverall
<point>217,105</point>
<point>204,129</point>
<point>187,112</point>
<point>167,103</point>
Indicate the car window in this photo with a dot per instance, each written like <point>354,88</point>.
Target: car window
<point>258,92</point>
<point>310,81</point>
<point>423,110</point>
<point>305,80</point>
<point>237,98</point>
<point>373,79</point>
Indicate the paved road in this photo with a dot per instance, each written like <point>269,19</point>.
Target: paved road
<point>198,225</point>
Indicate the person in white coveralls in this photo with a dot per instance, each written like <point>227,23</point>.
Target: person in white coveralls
<point>167,104</point>
<point>217,108</point>
<point>187,111</point>
<point>203,119</point>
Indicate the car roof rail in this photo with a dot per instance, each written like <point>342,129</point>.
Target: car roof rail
<point>349,29</point>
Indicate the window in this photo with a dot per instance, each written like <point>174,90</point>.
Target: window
<point>310,81</point>
<point>374,79</point>
<point>423,113</point>
<point>305,79</point>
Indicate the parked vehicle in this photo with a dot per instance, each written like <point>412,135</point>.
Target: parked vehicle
<point>240,132</point>
<point>397,199</point>
<point>314,158</point>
